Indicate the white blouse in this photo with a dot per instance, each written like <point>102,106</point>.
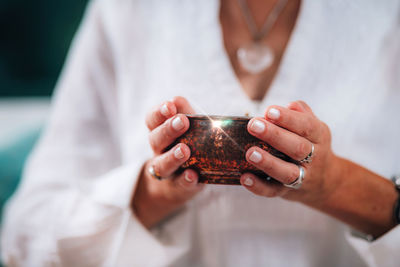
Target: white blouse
<point>72,208</point>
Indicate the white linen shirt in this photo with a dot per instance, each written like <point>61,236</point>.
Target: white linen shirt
<point>72,208</point>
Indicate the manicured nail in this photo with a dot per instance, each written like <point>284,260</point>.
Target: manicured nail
<point>248,181</point>
<point>177,124</point>
<point>255,157</point>
<point>188,178</point>
<point>273,113</point>
<point>164,110</point>
<point>178,153</point>
<point>257,126</point>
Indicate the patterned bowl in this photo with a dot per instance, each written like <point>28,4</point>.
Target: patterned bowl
<point>218,146</point>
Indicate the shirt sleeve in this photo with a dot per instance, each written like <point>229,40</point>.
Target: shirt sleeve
<point>73,205</point>
<point>380,252</point>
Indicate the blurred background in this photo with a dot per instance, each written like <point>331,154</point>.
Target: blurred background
<point>34,40</point>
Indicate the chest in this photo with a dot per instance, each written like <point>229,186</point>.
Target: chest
<point>340,67</point>
<point>240,24</point>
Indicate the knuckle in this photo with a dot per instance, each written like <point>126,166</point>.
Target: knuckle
<point>149,120</point>
<point>325,132</point>
<point>301,102</point>
<point>307,128</point>
<point>304,105</point>
<point>166,131</point>
<point>268,165</point>
<point>274,135</point>
<point>292,176</point>
<point>301,151</point>
<point>168,160</point>
<point>171,107</point>
<point>154,117</point>
<point>168,164</point>
<point>288,119</point>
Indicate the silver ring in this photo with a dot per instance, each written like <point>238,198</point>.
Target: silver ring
<point>296,184</point>
<point>153,173</point>
<point>309,157</point>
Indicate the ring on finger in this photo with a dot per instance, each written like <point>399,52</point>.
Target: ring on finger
<point>309,157</point>
<point>296,184</point>
<point>155,174</point>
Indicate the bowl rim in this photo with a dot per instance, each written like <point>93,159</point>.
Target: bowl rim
<point>217,117</point>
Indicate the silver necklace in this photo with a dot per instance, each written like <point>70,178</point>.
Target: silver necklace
<point>256,57</point>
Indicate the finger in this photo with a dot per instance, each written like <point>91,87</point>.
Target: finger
<point>300,106</point>
<point>166,164</point>
<point>159,114</point>
<point>166,133</point>
<point>183,105</point>
<point>289,143</point>
<point>180,189</point>
<point>303,124</point>
<point>280,170</point>
<point>186,185</point>
<point>261,187</point>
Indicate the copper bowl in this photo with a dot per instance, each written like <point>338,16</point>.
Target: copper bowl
<point>218,146</point>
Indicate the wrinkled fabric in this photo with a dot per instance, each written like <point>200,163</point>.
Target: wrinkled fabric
<point>72,208</point>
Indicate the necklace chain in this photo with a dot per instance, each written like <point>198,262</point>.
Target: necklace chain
<point>269,21</point>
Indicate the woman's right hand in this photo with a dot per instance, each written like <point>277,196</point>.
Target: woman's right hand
<point>156,199</point>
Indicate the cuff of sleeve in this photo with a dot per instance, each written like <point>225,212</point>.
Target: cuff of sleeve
<point>133,244</point>
<point>381,252</point>
<point>164,246</point>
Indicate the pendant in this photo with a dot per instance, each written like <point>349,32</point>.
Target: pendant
<point>255,57</point>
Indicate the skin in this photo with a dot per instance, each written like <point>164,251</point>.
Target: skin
<point>236,33</point>
<point>332,185</point>
<point>154,200</point>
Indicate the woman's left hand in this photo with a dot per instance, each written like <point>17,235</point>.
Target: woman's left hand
<point>336,186</point>
<point>293,131</point>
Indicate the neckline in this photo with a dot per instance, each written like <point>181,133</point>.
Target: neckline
<point>283,65</point>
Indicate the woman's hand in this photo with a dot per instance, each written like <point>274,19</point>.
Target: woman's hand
<point>293,131</point>
<point>156,199</point>
<point>331,184</point>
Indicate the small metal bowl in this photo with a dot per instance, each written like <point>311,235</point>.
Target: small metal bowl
<point>218,146</point>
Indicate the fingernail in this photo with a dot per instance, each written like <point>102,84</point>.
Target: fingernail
<point>255,157</point>
<point>257,126</point>
<point>164,110</point>
<point>177,124</point>
<point>248,181</point>
<point>188,178</point>
<point>273,113</point>
<point>178,153</point>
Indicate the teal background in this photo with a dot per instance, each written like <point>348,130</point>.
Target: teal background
<point>12,159</point>
<point>34,39</point>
